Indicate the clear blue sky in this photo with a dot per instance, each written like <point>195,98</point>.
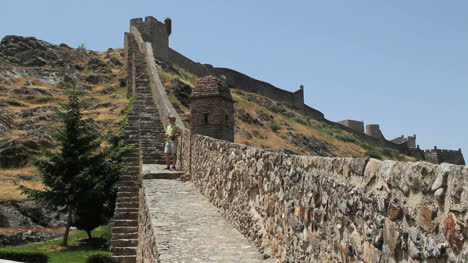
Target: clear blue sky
<point>401,64</point>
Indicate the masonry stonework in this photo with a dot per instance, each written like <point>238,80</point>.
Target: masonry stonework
<point>212,109</point>
<point>373,130</point>
<point>156,33</point>
<point>355,125</point>
<point>319,209</point>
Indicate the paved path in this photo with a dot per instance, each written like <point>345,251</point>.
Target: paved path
<point>189,229</point>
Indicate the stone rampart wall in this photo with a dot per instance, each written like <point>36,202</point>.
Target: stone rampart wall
<point>188,64</point>
<point>439,156</point>
<point>160,97</point>
<point>147,249</point>
<point>316,209</point>
<point>241,81</point>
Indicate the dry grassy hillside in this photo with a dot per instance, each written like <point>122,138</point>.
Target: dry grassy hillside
<point>32,73</point>
<point>31,76</point>
<point>275,126</point>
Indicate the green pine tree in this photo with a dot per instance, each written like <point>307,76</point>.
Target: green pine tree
<point>78,171</point>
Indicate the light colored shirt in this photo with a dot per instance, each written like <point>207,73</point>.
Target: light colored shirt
<point>170,131</point>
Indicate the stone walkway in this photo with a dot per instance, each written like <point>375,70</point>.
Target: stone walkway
<point>189,229</point>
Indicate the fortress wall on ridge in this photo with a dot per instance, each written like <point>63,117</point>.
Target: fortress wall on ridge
<point>319,209</point>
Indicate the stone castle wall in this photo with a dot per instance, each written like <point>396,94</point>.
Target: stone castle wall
<point>156,33</point>
<point>355,125</point>
<point>147,249</point>
<point>243,82</point>
<point>318,209</point>
<point>440,156</point>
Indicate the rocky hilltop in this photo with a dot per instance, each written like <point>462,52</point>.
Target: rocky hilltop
<point>32,73</point>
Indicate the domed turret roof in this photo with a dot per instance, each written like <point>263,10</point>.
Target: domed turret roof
<point>211,86</point>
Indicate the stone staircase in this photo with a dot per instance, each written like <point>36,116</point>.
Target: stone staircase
<point>125,229</point>
<point>145,133</point>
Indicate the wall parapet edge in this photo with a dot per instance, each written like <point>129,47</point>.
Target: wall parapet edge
<point>308,197</point>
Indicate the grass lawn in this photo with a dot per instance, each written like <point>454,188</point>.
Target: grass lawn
<point>78,250</point>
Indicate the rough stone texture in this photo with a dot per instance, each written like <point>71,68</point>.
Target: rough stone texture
<point>320,209</point>
<point>189,229</point>
<point>355,125</point>
<point>212,109</point>
<point>147,250</point>
<point>28,214</point>
<point>317,209</point>
<point>156,33</point>
<point>441,156</point>
<point>373,130</point>
<point>24,237</point>
<point>410,140</point>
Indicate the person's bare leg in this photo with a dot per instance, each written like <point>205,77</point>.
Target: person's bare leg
<point>167,156</point>
<point>175,161</point>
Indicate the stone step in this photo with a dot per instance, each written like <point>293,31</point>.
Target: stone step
<point>126,209</point>
<point>152,161</point>
<point>124,259</point>
<point>124,243</point>
<point>127,205</point>
<point>164,175</point>
<point>124,251</point>
<point>126,199</point>
<point>155,156</point>
<point>125,229</point>
<point>123,222</point>
<point>127,194</point>
<point>126,215</point>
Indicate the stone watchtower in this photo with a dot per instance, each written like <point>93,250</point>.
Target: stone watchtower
<point>212,109</point>
<point>156,33</point>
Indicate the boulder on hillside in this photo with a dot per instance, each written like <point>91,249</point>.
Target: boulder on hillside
<point>30,91</point>
<point>244,116</point>
<point>115,62</point>
<point>182,92</point>
<point>93,79</point>
<point>107,90</point>
<point>25,237</point>
<point>28,214</point>
<point>309,144</point>
<point>34,111</point>
<point>27,51</point>
<point>6,121</point>
<point>4,103</point>
<point>98,65</point>
<point>13,153</point>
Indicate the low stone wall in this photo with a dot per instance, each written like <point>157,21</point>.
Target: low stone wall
<point>147,249</point>
<point>316,209</point>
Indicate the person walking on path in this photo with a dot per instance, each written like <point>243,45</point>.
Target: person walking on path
<point>171,135</point>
